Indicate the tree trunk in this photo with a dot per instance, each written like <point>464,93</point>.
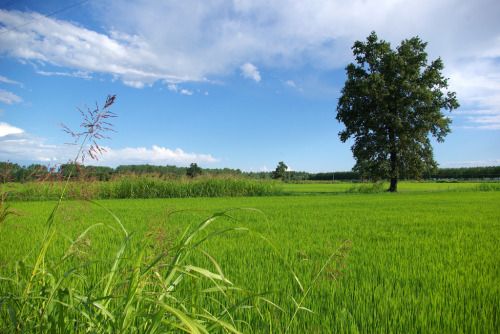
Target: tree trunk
<point>393,173</point>
<point>393,188</point>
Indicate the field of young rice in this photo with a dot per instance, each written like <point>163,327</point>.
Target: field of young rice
<point>420,262</point>
<point>403,186</point>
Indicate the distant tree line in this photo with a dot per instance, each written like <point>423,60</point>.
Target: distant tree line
<point>464,173</point>
<point>12,172</point>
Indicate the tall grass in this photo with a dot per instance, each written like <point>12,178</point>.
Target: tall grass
<point>138,293</point>
<point>6,211</point>
<point>148,187</point>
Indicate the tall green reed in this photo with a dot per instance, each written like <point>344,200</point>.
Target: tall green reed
<point>148,187</point>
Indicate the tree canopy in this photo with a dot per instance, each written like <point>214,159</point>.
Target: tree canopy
<point>390,104</point>
<point>279,172</point>
<point>193,170</point>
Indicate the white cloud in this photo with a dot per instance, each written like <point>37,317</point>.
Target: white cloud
<point>264,169</point>
<point>6,80</point>
<point>176,88</point>
<point>7,129</point>
<point>16,145</point>
<point>477,83</point>
<point>175,42</point>
<point>76,74</point>
<point>154,155</point>
<point>135,84</point>
<point>9,97</point>
<point>291,84</point>
<point>21,146</point>
<point>250,71</point>
<point>491,122</point>
<point>148,41</point>
<point>65,44</point>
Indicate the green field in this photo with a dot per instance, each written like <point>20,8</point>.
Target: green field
<point>404,186</point>
<point>420,261</point>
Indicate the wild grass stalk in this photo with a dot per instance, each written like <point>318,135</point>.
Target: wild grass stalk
<point>5,210</point>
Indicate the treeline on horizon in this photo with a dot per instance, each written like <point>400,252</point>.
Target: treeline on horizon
<point>12,172</point>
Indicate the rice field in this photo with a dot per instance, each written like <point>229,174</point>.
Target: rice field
<point>403,186</point>
<point>420,261</point>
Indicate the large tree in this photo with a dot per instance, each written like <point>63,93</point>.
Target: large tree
<point>280,171</point>
<point>390,104</point>
<point>193,170</point>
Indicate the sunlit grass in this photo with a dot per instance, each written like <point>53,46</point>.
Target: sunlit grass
<point>421,262</point>
<point>403,186</point>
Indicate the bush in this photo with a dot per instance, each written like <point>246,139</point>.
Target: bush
<point>367,188</point>
<point>488,186</point>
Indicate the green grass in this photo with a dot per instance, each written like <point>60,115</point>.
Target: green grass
<point>403,186</point>
<point>420,261</point>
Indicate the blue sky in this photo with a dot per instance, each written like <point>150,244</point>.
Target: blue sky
<point>238,84</point>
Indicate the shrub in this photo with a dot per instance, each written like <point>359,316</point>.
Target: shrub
<point>367,188</point>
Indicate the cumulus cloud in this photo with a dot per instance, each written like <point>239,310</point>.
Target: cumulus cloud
<point>154,155</point>
<point>7,129</point>
<point>17,145</point>
<point>250,71</point>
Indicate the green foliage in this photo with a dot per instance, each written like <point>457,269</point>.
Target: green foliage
<point>488,186</point>
<point>465,173</point>
<point>22,174</point>
<point>280,171</point>
<point>391,103</point>
<point>367,188</point>
<point>193,170</point>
